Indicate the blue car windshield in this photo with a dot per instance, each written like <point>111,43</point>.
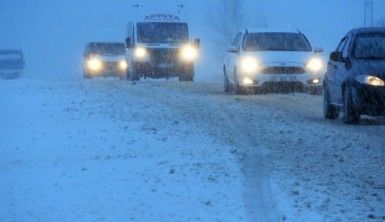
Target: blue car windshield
<point>276,42</point>
<point>370,46</point>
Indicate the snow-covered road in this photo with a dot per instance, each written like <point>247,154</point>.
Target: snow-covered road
<point>109,150</point>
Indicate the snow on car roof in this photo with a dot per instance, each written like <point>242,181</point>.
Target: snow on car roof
<point>266,30</point>
<point>368,30</point>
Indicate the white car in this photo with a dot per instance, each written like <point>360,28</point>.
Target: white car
<point>266,58</point>
<point>105,59</point>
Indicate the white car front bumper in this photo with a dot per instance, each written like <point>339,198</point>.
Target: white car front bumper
<point>307,80</point>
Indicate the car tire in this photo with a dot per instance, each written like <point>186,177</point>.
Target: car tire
<point>316,90</point>
<point>350,113</point>
<point>330,111</point>
<point>133,75</point>
<point>227,87</point>
<point>238,89</point>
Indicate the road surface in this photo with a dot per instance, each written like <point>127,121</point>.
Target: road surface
<point>110,150</point>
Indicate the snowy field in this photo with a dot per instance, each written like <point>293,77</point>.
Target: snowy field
<point>110,150</point>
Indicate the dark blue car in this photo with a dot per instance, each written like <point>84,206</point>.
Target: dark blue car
<point>11,64</point>
<point>355,79</point>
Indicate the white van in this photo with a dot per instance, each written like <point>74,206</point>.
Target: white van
<point>159,46</point>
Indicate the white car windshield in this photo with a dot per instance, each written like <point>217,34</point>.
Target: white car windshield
<point>158,32</point>
<point>370,46</point>
<point>276,42</point>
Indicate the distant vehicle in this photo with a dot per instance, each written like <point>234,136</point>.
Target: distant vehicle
<point>267,58</point>
<point>105,59</point>
<point>11,64</point>
<point>355,78</point>
<point>159,47</point>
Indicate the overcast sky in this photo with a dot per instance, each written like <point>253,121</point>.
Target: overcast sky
<point>52,33</point>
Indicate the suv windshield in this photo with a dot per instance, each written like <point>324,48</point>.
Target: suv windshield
<point>370,46</point>
<point>157,32</point>
<point>107,48</point>
<point>10,55</point>
<point>276,42</point>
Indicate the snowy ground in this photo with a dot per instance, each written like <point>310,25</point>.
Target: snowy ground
<point>109,150</point>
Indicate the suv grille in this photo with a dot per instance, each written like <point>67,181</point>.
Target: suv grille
<point>283,70</point>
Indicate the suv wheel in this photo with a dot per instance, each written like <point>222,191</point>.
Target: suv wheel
<point>351,115</point>
<point>87,76</point>
<point>330,111</point>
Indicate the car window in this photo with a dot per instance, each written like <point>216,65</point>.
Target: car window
<point>345,50</point>
<point>341,45</point>
<point>234,43</point>
<point>239,40</point>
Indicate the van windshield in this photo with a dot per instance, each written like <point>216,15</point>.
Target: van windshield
<point>276,42</point>
<point>370,46</point>
<point>158,32</point>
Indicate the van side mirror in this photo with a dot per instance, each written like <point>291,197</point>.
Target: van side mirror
<point>233,49</point>
<point>337,57</point>
<point>128,42</point>
<point>318,50</point>
<point>197,43</point>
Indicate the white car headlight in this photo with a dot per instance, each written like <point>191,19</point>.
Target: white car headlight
<point>249,65</point>
<point>315,65</point>
<point>94,64</point>
<point>140,53</point>
<point>189,53</point>
<point>123,65</point>
<point>370,80</point>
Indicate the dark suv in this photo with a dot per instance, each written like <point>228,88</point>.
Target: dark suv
<point>11,64</point>
<point>355,79</point>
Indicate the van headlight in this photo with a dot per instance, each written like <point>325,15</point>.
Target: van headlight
<point>140,52</point>
<point>370,80</point>
<point>315,65</point>
<point>249,65</point>
<point>189,53</point>
<point>94,64</point>
<point>123,65</point>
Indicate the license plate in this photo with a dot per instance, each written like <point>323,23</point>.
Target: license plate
<point>284,78</point>
<point>165,65</point>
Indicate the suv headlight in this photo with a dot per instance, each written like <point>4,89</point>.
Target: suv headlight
<point>370,80</point>
<point>123,65</point>
<point>189,53</point>
<point>140,53</point>
<point>249,65</point>
<point>94,64</point>
<point>315,65</point>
